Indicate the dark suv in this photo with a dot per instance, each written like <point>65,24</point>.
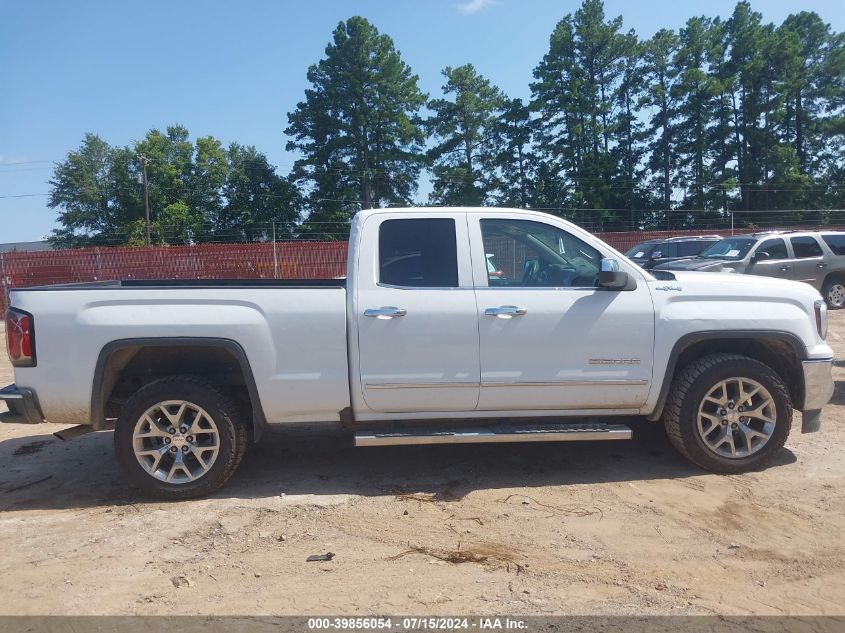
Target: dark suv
<point>650,254</point>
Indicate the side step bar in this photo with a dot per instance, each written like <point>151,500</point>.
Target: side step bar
<point>510,433</point>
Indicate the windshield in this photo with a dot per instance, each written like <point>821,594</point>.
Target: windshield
<point>729,248</point>
<point>641,250</point>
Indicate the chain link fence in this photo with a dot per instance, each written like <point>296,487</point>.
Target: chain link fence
<point>232,258</point>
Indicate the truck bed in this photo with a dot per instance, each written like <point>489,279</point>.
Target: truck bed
<point>292,331</point>
<point>193,283</point>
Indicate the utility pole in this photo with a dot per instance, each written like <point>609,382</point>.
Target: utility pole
<point>144,160</point>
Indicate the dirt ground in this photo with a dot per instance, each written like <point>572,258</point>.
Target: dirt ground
<point>593,528</point>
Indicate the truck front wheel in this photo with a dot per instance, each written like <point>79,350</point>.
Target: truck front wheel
<point>179,437</point>
<point>728,413</point>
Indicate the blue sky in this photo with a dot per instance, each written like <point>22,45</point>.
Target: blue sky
<point>234,69</point>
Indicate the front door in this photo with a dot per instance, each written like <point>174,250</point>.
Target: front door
<point>415,311</point>
<point>778,262</point>
<point>550,339</point>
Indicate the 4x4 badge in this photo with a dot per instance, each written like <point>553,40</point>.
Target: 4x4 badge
<point>668,288</point>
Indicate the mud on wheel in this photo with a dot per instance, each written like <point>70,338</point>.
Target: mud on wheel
<point>180,437</point>
<point>728,413</point>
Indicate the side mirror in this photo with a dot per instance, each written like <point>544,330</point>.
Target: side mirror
<point>657,254</point>
<point>612,278</point>
<point>761,255</point>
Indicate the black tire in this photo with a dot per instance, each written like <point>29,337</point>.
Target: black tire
<point>232,432</point>
<point>833,292</point>
<point>687,392</point>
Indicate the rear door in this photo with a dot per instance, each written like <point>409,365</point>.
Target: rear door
<point>416,317</point>
<point>808,265</point>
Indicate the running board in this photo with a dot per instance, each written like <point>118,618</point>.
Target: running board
<point>510,433</point>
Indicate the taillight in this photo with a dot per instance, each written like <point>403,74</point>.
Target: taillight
<point>20,337</point>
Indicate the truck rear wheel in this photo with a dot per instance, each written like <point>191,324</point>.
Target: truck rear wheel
<point>728,413</point>
<point>179,438</point>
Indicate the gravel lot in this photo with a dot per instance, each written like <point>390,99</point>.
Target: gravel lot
<point>598,528</point>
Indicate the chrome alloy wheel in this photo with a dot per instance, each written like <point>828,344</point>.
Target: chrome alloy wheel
<point>836,295</point>
<point>176,441</point>
<point>736,418</point>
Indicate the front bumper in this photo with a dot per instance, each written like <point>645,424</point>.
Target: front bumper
<point>23,406</point>
<point>818,388</point>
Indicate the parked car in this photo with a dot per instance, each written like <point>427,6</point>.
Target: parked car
<point>814,257</point>
<point>417,346</point>
<point>653,252</point>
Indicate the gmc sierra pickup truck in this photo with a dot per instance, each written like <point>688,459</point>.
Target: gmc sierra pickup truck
<point>421,345</point>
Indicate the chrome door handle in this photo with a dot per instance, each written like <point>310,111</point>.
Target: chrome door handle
<point>785,268</point>
<point>505,311</point>
<point>385,313</point>
<point>821,265</point>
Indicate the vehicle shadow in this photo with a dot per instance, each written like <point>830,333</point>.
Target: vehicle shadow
<point>319,460</point>
<point>838,396</point>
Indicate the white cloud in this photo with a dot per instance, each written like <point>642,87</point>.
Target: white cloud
<point>5,159</point>
<point>474,6</point>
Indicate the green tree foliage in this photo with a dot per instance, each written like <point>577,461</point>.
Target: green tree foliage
<point>358,131</point>
<point>574,89</point>
<point>465,139</point>
<point>729,115</point>
<point>96,194</point>
<point>198,192</point>
<point>515,159</point>
<point>722,116</point>
<point>660,72</point>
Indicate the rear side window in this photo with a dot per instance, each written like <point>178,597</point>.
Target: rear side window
<point>418,253</point>
<point>836,243</point>
<point>805,247</point>
<point>776,248</point>
<point>694,247</point>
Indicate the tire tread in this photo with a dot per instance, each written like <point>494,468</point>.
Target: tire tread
<point>231,423</point>
<point>686,380</point>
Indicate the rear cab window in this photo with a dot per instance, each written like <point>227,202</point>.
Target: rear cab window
<point>418,253</point>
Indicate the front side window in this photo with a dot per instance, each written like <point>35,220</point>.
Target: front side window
<point>642,251</point>
<point>805,247</point>
<point>667,249</point>
<point>776,248</point>
<point>533,254</point>
<point>418,253</point>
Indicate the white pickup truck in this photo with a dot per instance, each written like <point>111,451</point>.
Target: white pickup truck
<point>454,325</point>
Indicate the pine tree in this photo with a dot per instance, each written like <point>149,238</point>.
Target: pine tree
<point>515,160</point>
<point>464,132</point>
<point>358,129</point>
<point>661,74</point>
